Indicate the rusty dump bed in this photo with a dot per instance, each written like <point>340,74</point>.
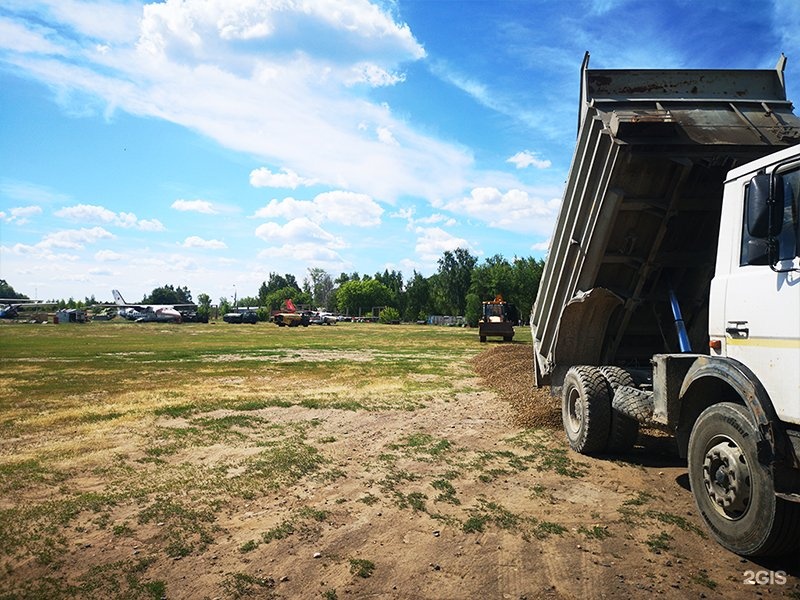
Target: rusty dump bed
<point>641,209</point>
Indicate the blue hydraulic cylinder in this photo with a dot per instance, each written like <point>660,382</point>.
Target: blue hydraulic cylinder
<point>680,326</point>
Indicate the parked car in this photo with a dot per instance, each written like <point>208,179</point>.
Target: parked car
<point>247,316</point>
<point>323,318</point>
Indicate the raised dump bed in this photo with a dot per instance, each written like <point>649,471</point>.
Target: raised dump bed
<point>641,209</point>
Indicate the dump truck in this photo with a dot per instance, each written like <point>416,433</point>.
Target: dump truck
<point>671,291</point>
<point>497,319</point>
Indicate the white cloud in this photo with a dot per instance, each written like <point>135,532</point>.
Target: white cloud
<point>20,215</point>
<point>250,76</point>
<point>374,76</point>
<point>434,219</point>
<point>515,210</point>
<point>16,37</point>
<point>107,256</point>
<point>297,231</point>
<point>92,213</point>
<point>346,208</point>
<point>526,159</point>
<point>200,206</point>
<point>108,20</point>
<point>385,136</point>
<point>403,213</point>
<point>194,241</point>
<point>541,246</point>
<point>74,239</point>
<point>433,241</point>
<point>304,254</point>
<point>489,98</point>
<point>287,178</point>
<point>150,225</point>
<point>288,208</point>
<point>349,208</point>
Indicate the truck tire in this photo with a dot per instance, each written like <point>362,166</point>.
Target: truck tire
<point>734,493</point>
<point>624,429</point>
<point>586,409</point>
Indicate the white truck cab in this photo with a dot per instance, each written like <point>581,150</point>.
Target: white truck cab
<point>754,313</point>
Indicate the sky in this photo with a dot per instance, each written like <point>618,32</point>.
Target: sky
<point>209,143</point>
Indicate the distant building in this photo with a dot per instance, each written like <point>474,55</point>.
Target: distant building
<point>447,320</point>
<point>70,315</point>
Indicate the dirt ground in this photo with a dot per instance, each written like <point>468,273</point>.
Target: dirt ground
<point>473,498</point>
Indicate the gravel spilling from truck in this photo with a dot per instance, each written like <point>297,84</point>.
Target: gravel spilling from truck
<point>508,369</point>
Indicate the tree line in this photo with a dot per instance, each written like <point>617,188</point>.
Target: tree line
<point>458,287</point>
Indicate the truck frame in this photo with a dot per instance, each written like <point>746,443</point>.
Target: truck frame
<point>671,292</point>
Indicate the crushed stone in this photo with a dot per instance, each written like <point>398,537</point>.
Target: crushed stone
<point>508,370</point>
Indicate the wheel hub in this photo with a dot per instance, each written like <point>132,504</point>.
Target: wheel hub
<point>727,478</point>
<point>575,410</point>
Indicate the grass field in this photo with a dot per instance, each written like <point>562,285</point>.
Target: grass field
<point>202,461</point>
<point>113,429</point>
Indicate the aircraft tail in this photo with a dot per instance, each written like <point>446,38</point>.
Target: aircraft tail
<point>118,298</point>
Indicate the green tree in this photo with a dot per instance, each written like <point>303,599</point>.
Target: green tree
<point>277,282</point>
<point>6,291</point>
<point>204,305</point>
<point>494,276</point>
<point>455,277</point>
<point>250,301</point>
<point>344,278</point>
<point>417,297</point>
<point>263,292</point>
<point>276,299</point>
<point>354,295</point>
<point>321,286</point>
<point>472,313</point>
<point>526,276</point>
<point>389,315</point>
<point>169,295</point>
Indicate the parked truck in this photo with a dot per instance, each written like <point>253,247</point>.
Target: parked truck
<point>671,292</point>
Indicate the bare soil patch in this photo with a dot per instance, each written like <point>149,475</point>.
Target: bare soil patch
<point>473,494</point>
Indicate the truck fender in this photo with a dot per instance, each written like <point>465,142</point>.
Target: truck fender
<point>712,379</point>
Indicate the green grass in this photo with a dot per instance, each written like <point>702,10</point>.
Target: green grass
<point>659,542</point>
<point>595,532</point>
<point>132,432</point>
<point>362,567</point>
<point>703,579</point>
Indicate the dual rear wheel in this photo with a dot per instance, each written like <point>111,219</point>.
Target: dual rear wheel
<point>591,421</point>
<point>733,491</point>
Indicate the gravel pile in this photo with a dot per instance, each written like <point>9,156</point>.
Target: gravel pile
<point>508,370</point>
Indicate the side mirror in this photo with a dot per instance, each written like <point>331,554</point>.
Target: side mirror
<point>764,214</point>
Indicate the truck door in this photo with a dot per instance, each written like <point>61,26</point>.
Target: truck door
<point>762,307</point>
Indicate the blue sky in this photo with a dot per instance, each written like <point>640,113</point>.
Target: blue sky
<point>208,143</point>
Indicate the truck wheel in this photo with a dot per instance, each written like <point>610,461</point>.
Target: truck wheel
<point>624,429</point>
<point>734,493</point>
<point>586,409</point>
